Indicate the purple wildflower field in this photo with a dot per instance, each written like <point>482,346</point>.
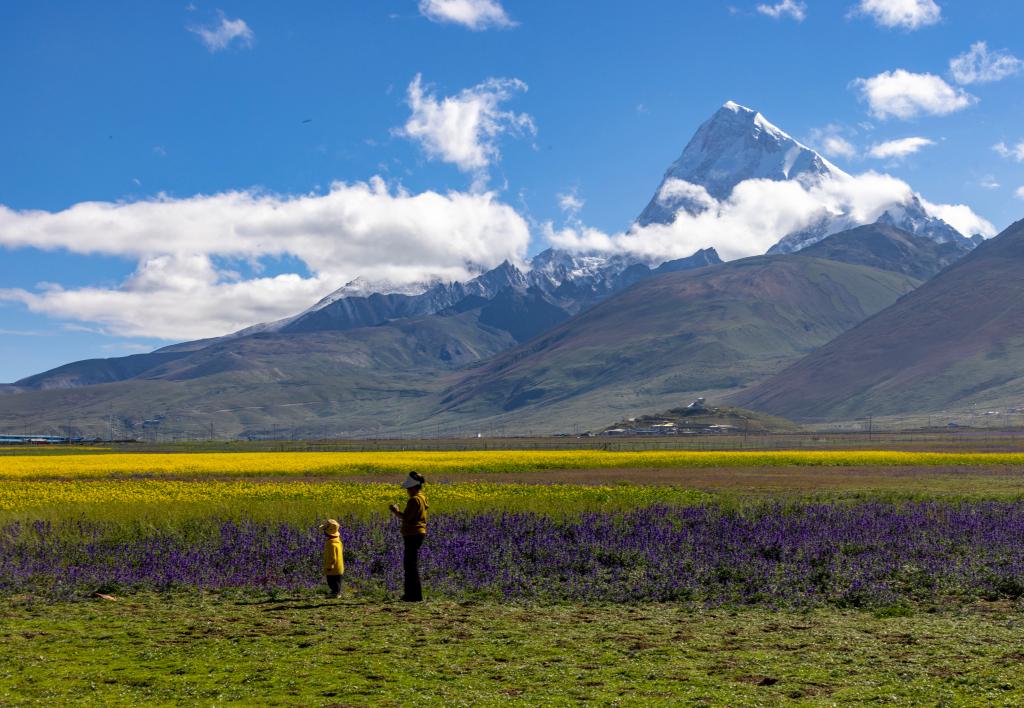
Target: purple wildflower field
<point>867,554</point>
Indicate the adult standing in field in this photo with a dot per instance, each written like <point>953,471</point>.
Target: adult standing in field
<point>414,530</point>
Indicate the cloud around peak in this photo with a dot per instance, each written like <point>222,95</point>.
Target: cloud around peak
<point>758,213</point>
<point>184,285</point>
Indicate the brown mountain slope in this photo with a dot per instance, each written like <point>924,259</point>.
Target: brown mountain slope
<point>886,247</point>
<point>712,329</point>
<point>955,341</point>
<point>313,384</point>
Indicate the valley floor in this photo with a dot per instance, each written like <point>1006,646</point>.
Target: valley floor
<point>206,649</point>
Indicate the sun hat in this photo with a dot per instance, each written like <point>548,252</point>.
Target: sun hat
<point>415,479</point>
<point>329,525</point>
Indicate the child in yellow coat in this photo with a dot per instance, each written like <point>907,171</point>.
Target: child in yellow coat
<point>334,559</point>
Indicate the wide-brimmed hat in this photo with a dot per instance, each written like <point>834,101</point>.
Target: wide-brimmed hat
<point>413,480</point>
<point>330,525</point>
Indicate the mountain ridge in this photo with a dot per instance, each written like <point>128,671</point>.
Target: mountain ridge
<point>504,297</point>
<point>958,340</point>
<point>676,335</point>
<point>889,248</point>
<point>581,334</point>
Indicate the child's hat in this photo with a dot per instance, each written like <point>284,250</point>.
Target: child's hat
<point>329,525</point>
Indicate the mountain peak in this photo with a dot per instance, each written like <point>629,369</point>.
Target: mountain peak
<point>735,109</point>
<point>736,144</point>
<point>734,114</point>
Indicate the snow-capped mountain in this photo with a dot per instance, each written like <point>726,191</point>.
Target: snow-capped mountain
<point>910,217</point>
<point>555,279</point>
<point>738,144</point>
<point>734,145</point>
<point>363,287</point>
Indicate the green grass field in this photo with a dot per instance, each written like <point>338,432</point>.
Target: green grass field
<point>195,647</point>
<point>306,650</point>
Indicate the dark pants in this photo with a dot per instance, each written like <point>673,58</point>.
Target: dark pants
<point>334,583</point>
<point>410,562</point>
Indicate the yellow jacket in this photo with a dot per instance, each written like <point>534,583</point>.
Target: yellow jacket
<point>334,559</point>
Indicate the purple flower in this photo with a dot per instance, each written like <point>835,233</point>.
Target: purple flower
<point>771,555</point>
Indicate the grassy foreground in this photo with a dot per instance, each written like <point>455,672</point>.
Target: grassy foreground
<point>306,650</point>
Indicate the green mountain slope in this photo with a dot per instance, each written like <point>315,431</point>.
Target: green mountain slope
<point>710,330</point>
<point>956,341</point>
<point>357,382</point>
<point>653,346</point>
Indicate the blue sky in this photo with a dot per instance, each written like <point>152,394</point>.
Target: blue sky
<point>131,104</point>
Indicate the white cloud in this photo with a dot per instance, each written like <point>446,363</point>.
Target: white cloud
<point>907,14</point>
<point>905,95</point>
<point>978,65</point>
<point>898,149</point>
<point>676,190</point>
<point>183,288</point>
<point>570,203</point>
<point>220,36</point>
<point>176,298</point>
<point>989,182</point>
<point>838,146</point>
<point>787,8</point>
<point>758,213</point>
<point>1020,192</point>
<point>962,218</point>
<point>1013,152</point>
<point>464,129</point>
<point>474,14</point>
<point>830,141</point>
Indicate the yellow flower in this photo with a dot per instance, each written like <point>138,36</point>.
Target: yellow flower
<point>329,464</point>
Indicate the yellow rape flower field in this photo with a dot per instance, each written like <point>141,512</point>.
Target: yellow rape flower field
<point>303,485</point>
<point>320,464</point>
<point>157,501</point>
